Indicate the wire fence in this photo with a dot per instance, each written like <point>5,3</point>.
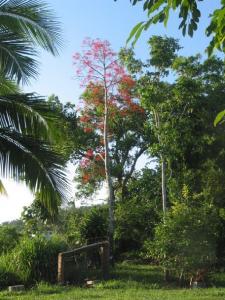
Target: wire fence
<point>85,263</point>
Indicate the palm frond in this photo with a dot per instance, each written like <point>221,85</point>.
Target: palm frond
<point>17,57</point>
<point>24,113</point>
<point>25,24</point>
<point>7,86</point>
<point>35,19</point>
<point>24,158</point>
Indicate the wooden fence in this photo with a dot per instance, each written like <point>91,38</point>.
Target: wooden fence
<point>74,266</point>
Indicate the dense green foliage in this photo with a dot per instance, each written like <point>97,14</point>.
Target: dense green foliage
<point>9,237</point>
<point>33,259</point>
<point>193,228</point>
<point>158,11</point>
<point>137,215</point>
<point>181,117</point>
<point>93,226</point>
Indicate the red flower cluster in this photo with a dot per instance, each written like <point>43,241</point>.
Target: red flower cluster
<point>88,129</point>
<point>85,119</point>
<point>86,178</point>
<point>97,62</point>
<point>90,153</point>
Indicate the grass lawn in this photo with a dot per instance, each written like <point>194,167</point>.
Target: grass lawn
<point>131,282</point>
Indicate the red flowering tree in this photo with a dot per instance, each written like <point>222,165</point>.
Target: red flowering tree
<point>109,115</point>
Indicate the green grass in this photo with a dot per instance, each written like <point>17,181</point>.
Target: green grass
<point>130,282</point>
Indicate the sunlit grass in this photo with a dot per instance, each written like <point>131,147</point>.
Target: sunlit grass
<point>129,282</point>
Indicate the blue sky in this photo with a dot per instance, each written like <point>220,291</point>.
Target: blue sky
<point>104,19</point>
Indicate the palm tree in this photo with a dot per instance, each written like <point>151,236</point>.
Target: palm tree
<point>26,153</point>
<point>25,24</point>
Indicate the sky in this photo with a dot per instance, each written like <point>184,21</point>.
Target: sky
<point>104,19</point>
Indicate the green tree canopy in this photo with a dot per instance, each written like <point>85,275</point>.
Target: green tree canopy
<point>158,11</point>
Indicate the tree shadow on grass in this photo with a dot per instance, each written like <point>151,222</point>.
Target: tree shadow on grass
<point>135,275</point>
<point>217,280</point>
<point>152,277</point>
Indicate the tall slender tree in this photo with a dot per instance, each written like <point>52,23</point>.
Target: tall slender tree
<point>106,98</point>
<point>154,94</point>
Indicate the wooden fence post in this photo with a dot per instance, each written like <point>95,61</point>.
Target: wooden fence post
<point>60,269</point>
<point>105,260</point>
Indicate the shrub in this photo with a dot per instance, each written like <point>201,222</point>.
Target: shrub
<point>9,237</point>
<point>33,260</point>
<point>7,272</point>
<point>137,212</point>
<point>69,226</point>
<point>94,224</point>
<point>186,240</point>
<point>135,221</point>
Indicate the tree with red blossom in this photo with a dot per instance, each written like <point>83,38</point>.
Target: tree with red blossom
<point>112,117</point>
<point>128,139</point>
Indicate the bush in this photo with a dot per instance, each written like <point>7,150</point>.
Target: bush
<point>137,212</point>
<point>186,240</point>
<point>9,237</point>
<point>94,224</point>
<point>69,226</point>
<point>135,221</point>
<point>7,272</point>
<point>32,260</point>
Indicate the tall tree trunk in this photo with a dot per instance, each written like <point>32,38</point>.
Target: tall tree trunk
<point>163,174</point>
<point>163,188</point>
<point>163,165</point>
<point>164,203</point>
<point>109,179</point>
